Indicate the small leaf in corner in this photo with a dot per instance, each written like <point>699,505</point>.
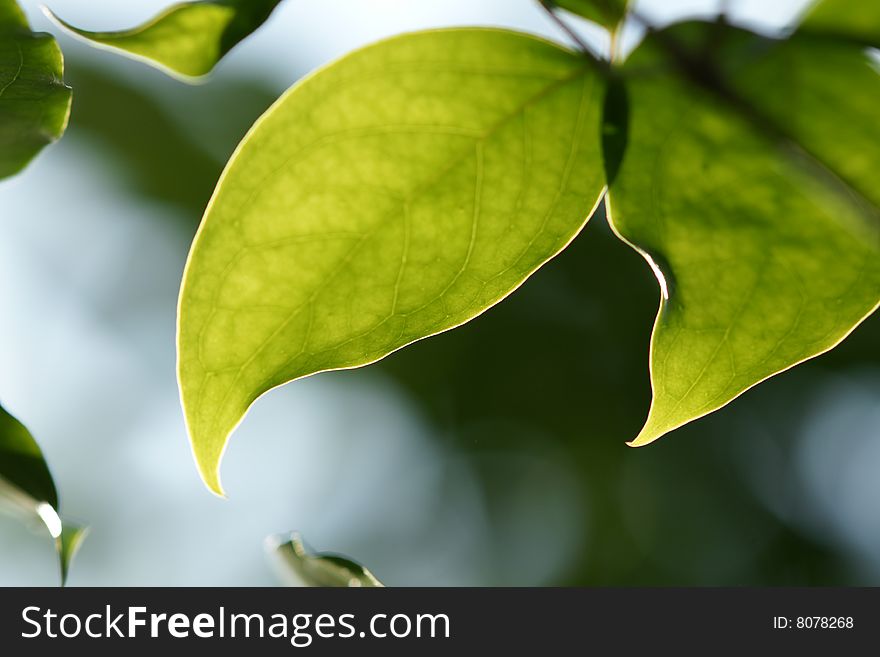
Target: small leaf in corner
<point>301,567</point>
<point>34,101</point>
<point>27,488</point>
<point>186,40</point>
<point>67,545</point>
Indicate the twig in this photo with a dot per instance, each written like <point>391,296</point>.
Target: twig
<point>548,5</point>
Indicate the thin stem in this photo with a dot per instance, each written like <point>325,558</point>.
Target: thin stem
<point>547,5</point>
<point>612,55</point>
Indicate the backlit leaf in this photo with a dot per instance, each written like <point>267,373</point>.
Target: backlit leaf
<point>27,488</point>
<point>187,39</point>
<point>395,194</point>
<point>759,215</point>
<point>34,102</point>
<point>607,13</point>
<point>303,568</point>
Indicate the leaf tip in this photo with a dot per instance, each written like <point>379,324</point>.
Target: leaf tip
<point>207,452</point>
<point>644,438</point>
<point>67,544</point>
<point>208,459</point>
<point>52,16</point>
<point>650,432</point>
<point>210,473</point>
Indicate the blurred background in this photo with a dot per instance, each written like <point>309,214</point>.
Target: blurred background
<point>490,455</point>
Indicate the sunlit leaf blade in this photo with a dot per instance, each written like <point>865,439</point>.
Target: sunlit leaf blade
<point>393,195</point>
<point>34,102</point>
<point>27,488</point>
<point>858,20</point>
<point>188,39</point>
<point>607,13</point>
<point>302,568</point>
<point>769,248</point>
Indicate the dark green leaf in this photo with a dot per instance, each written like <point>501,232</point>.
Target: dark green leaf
<point>188,39</point>
<point>753,195</point>
<point>607,13</point>
<point>394,195</point>
<point>27,487</point>
<point>34,102</point>
<point>22,464</point>
<point>304,568</point>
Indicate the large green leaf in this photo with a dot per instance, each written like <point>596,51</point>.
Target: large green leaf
<point>847,19</point>
<point>756,203</point>
<point>395,194</point>
<point>34,102</point>
<point>27,487</point>
<point>187,39</point>
<point>304,568</point>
